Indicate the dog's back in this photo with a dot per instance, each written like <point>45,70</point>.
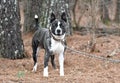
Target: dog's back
<point>39,36</point>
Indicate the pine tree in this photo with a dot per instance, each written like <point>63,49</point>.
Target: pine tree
<point>11,44</point>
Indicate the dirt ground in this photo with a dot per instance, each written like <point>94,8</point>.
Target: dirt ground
<point>78,68</point>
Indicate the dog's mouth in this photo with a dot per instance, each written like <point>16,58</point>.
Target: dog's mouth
<point>59,36</point>
<point>58,33</point>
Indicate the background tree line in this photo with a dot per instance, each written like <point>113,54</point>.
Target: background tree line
<point>76,10</point>
<point>96,12</point>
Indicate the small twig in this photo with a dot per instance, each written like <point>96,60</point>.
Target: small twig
<point>115,51</point>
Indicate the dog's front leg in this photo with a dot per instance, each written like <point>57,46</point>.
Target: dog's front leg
<point>61,63</point>
<point>46,60</point>
<point>52,61</point>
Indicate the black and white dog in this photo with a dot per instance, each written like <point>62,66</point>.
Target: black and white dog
<point>53,41</point>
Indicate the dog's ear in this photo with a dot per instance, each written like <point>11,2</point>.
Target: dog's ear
<point>52,18</point>
<point>63,17</point>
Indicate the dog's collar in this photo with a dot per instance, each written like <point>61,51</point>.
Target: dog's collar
<point>60,40</point>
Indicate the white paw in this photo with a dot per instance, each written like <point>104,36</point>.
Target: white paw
<point>45,72</point>
<point>61,74</point>
<point>34,68</point>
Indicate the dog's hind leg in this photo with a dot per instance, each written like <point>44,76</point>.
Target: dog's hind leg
<point>52,61</point>
<point>35,52</point>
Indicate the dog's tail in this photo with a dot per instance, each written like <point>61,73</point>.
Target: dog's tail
<point>36,22</point>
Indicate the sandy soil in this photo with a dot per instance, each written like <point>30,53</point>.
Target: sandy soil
<point>78,68</point>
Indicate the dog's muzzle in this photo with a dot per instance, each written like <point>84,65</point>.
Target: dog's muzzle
<point>58,32</point>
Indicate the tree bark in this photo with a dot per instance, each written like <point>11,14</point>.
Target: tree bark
<point>74,14</point>
<point>104,11</point>
<point>43,8</point>
<point>11,44</point>
<point>58,6</point>
<point>31,8</point>
<point>117,15</point>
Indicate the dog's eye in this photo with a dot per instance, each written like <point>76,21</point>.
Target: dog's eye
<point>61,25</point>
<point>56,24</point>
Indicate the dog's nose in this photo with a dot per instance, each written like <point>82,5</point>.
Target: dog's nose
<point>58,31</point>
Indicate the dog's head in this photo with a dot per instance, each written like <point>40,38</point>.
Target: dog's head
<point>58,26</point>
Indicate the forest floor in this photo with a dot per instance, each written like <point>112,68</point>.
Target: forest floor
<point>78,68</point>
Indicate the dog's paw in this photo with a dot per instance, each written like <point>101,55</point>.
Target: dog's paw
<point>45,75</point>
<point>45,72</point>
<point>61,74</point>
<point>34,68</point>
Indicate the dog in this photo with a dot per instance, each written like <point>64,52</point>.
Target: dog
<point>53,41</point>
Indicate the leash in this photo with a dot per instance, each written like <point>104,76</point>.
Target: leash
<point>93,56</point>
<point>86,54</point>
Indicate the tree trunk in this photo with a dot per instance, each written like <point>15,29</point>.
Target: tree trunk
<point>74,14</point>
<point>104,11</point>
<point>32,7</point>
<point>58,6</point>
<point>93,13</point>
<point>117,15</point>
<point>11,44</point>
<point>43,8</point>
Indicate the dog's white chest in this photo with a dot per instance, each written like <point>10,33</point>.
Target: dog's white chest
<point>56,46</point>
